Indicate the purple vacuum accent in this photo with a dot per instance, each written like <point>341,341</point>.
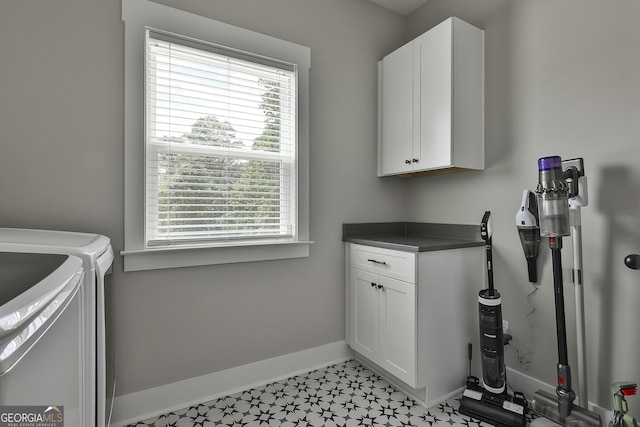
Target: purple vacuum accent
<point>550,163</point>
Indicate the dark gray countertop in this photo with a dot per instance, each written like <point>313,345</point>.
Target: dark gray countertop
<point>413,236</point>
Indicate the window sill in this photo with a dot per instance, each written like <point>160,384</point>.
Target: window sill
<point>191,256</point>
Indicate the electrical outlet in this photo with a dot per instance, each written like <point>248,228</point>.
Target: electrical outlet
<point>505,327</point>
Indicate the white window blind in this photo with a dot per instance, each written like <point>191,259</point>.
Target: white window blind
<point>220,144</point>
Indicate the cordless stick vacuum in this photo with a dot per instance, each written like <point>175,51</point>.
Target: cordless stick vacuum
<point>555,188</point>
<point>491,402</point>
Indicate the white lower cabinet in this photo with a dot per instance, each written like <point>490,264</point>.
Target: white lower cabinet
<point>384,328</point>
<point>413,314</point>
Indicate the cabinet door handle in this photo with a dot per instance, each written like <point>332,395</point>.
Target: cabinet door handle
<point>408,161</point>
<point>415,160</point>
<point>373,285</point>
<point>377,262</point>
<point>380,287</point>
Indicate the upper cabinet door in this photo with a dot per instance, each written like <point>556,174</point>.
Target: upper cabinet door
<point>396,95</point>
<point>433,70</point>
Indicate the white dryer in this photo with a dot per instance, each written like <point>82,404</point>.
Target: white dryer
<point>41,339</point>
<point>96,255</point>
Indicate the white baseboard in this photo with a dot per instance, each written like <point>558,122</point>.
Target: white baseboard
<point>150,403</point>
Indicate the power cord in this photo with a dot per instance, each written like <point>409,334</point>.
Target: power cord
<point>524,356</point>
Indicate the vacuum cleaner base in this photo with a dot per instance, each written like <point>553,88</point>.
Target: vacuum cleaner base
<point>497,409</point>
<point>546,404</point>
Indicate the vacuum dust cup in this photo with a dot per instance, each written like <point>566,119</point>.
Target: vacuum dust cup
<point>553,201</point>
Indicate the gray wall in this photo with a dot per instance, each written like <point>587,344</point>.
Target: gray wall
<point>562,78</point>
<point>61,167</point>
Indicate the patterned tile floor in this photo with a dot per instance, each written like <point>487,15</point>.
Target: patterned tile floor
<point>346,394</point>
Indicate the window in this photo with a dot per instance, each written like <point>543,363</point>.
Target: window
<point>221,152</point>
<point>216,166</point>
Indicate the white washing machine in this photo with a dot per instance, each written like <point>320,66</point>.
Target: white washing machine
<point>96,255</point>
<point>41,348</point>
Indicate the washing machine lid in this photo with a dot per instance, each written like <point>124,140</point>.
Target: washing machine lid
<point>30,281</point>
<point>88,247</point>
<point>35,289</point>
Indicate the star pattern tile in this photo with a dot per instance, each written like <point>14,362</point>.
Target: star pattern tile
<point>342,395</point>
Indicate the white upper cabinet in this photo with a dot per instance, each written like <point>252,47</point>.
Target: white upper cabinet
<point>431,103</point>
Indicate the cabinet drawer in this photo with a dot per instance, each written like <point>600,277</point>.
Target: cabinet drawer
<point>386,262</point>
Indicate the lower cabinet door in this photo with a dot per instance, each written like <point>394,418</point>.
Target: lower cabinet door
<point>364,303</point>
<point>397,350</point>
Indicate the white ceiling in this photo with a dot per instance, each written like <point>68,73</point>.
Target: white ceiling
<point>404,7</point>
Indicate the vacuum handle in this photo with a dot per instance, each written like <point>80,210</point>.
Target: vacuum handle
<point>632,261</point>
<point>532,266</point>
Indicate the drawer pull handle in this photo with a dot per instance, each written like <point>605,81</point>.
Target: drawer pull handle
<point>377,262</point>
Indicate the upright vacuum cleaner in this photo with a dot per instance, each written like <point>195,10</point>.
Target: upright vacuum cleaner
<point>491,402</point>
<point>555,187</point>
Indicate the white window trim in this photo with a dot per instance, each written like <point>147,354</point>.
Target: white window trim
<point>137,16</point>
